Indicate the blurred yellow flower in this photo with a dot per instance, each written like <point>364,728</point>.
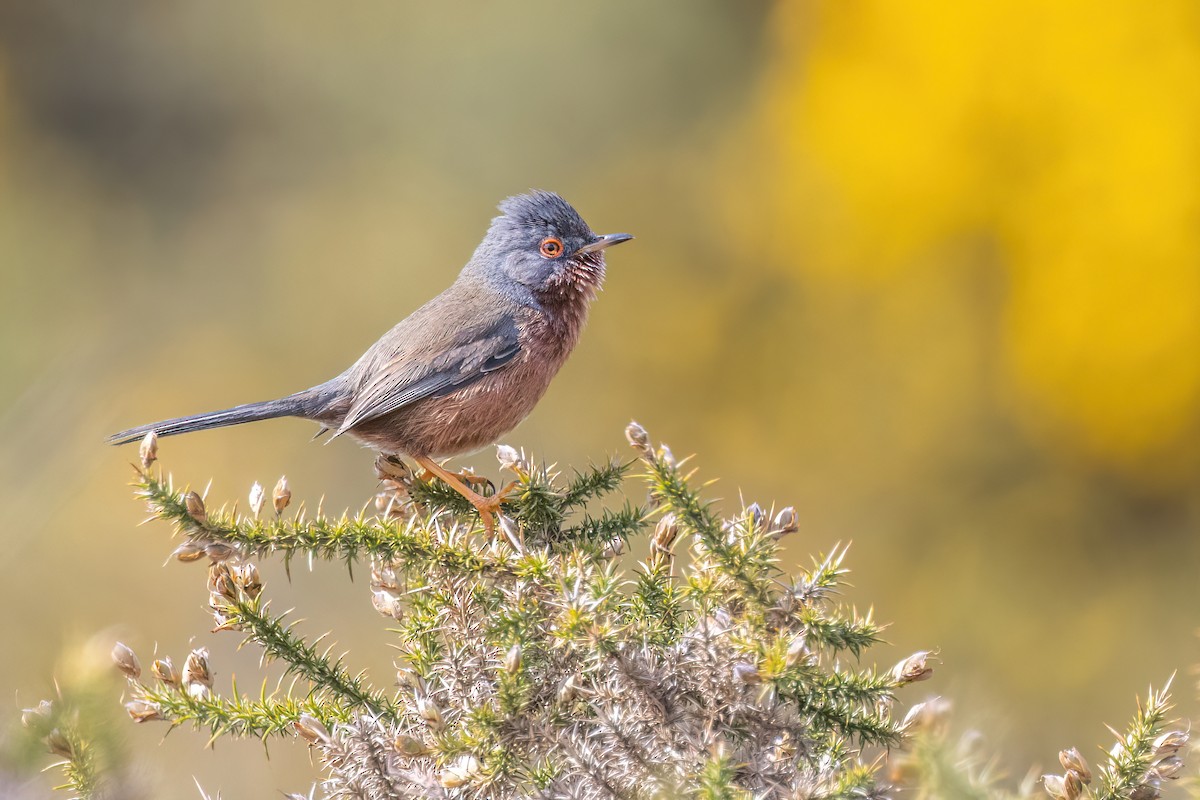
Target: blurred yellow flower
<point>1064,135</point>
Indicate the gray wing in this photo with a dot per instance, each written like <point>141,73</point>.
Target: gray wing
<point>396,383</point>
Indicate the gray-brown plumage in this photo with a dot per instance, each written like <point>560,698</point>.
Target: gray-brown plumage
<point>469,365</point>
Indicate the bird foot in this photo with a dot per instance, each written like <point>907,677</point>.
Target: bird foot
<point>488,507</point>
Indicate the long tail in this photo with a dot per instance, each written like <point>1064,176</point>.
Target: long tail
<point>293,405</point>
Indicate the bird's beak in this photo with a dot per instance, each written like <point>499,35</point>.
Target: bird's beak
<point>607,240</point>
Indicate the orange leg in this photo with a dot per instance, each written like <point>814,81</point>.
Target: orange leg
<point>487,507</point>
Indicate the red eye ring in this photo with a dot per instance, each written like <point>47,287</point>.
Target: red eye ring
<point>551,247</point>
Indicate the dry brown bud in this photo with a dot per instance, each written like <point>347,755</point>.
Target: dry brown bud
<point>638,438</point>
<point>59,744</point>
<point>282,495</point>
<point>410,746</point>
<point>409,678</point>
<point>148,449</point>
<point>195,507</point>
<point>258,497</point>
<point>746,673</point>
<point>311,729</point>
<point>512,659</point>
<point>386,603</point>
<point>665,534</point>
<point>571,688</point>
<point>143,711</point>
<point>126,661</point>
<point>1073,761</point>
<point>195,669</point>
<point>614,548</point>
<point>912,669</point>
<point>164,670</point>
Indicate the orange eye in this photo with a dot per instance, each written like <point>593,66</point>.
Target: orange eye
<point>552,247</point>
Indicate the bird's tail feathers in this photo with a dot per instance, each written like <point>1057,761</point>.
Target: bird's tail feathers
<point>250,412</point>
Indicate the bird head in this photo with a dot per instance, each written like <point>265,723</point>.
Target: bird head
<point>540,242</point>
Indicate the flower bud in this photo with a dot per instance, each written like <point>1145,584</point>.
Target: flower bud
<point>189,551</point>
<point>638,438</point>
<point>512,532</point>
<point>386,604</point>
<point>512,659</point>
<point>1170,743</point>
<point>570,689</point>
<point>258,497</point>
<point>409,746</point>
<point>164,669</point>
<point>59,744</point>
<point>282,495</point>
<point>148,449</point>
<point>311,729</point>
<point>220,551</point>
<point>430,712</point>
<point>195,669</point>
<point>37,718</point>
<point>510,459</point>
<point>912,669</point>
<point>143,711</point>
<point>459,772</point>
<point>667,457</point>
<point>746,673</point>
<point>195,507</point>
<point>797,651</point>
<point>784,523</point>
<point>1072,785</point>
<point>1054,786</point>
<point>1146,791</point>
<point>126,661</point>
<point>1073,761</point>
<point>1169,768</point>
<point>756,516</point>
<point>391,468</point>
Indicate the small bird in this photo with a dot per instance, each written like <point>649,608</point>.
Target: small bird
<point>465,368</point>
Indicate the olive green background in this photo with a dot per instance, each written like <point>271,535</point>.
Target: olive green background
<point>932,276</point>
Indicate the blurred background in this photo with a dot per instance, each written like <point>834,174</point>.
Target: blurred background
<point>930,273</point>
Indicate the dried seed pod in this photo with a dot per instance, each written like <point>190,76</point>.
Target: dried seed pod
<point>247,578</point>
<point>614,548</point>
<point>143,711</point>
<point>386,604</point>
<point>126,661</point>
<point>638,438</point>
<point>1149,790</point>
<point>220,551</point>
<point>912,669</point>
<point>282,495</point>
<point>1073,761</point>
<point>258,497</point>
<point>512,532</point>
<point>195,507</point>
<point>148,449</point>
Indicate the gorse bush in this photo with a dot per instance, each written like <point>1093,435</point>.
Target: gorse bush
<point>550,661</point>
